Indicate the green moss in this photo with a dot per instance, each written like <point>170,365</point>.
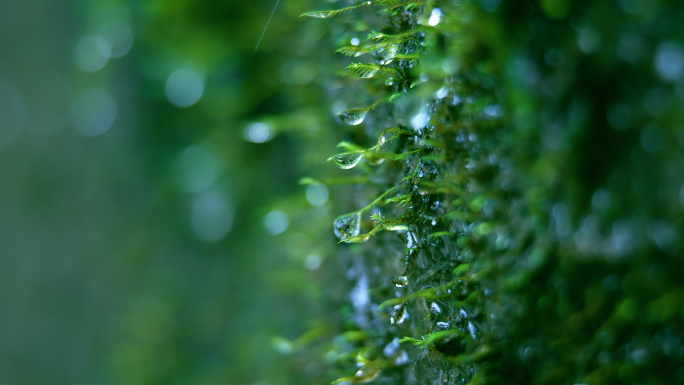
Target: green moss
<point>538,162</point>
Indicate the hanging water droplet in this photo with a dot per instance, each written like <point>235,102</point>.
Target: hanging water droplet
<point>319,15</point>
<point>399,315</point>
<point>400,281</point>
<point>435,17</point>
<point>435,309</point>
<point>348,225</point>
<point>474,330</point>
<point>381,142</point>
<point>347,161</point>
<point>353,117</point>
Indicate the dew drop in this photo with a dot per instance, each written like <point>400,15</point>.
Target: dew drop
<point>400,281</point>
<point>399,315</point>
<point>353,117</point>
<point>442,325</point>
<point>435,17</point>
<point>319,15</point>
<point>347,161</point>
<point>348,225</point>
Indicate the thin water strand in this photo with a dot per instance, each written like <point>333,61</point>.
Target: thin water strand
<point>266,26</point>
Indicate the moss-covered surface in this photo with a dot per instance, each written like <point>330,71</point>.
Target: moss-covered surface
<point>516,193</point>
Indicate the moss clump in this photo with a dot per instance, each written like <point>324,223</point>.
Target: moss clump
<point>532,189</point>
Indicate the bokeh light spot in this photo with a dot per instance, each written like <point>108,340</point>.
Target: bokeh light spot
<point>317,194</point>
<point>119,35</point>
<point>258,132</point>
<point>276,222</point>
<point>92,53</point>
<point>93,112</point>
<point>211,217</point>
<point>184,88</point>
<point>312,262</point>
<point>12,114</point>
<point>197,168</point>
<point>669,61</point>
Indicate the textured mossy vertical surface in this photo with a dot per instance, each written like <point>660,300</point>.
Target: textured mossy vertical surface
<point>514,197</point>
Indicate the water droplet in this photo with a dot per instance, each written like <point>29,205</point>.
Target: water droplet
<point>381,141</point>
<point>347,161</point>
<point>319,15</point>
<point>355,41</point>
<point>391,348</point>
<point>402,358</point>
<point>435,17</point>
<point>362,71</point>
<point>420,120</point>
<point>435,309</point>
<point>353,117</point>
<point>493,110</point>
<point>400,281</point>
<point>348,225</point>
<point>399,315</point>
<point>442,325</point>
<point>473,330</point>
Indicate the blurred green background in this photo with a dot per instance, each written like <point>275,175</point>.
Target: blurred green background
<point>152,230</point>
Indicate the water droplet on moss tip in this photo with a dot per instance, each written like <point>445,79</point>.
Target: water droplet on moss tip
<point>399,315</point>
<point>353,117</point>
<point>348,225</point>
<point>319,15</point>
<point>347,161</point>
<point>400,281</point>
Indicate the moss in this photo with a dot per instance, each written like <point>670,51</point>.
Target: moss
<point>533,190</point>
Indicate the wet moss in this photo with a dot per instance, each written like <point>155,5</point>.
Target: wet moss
<point>533,190</point>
